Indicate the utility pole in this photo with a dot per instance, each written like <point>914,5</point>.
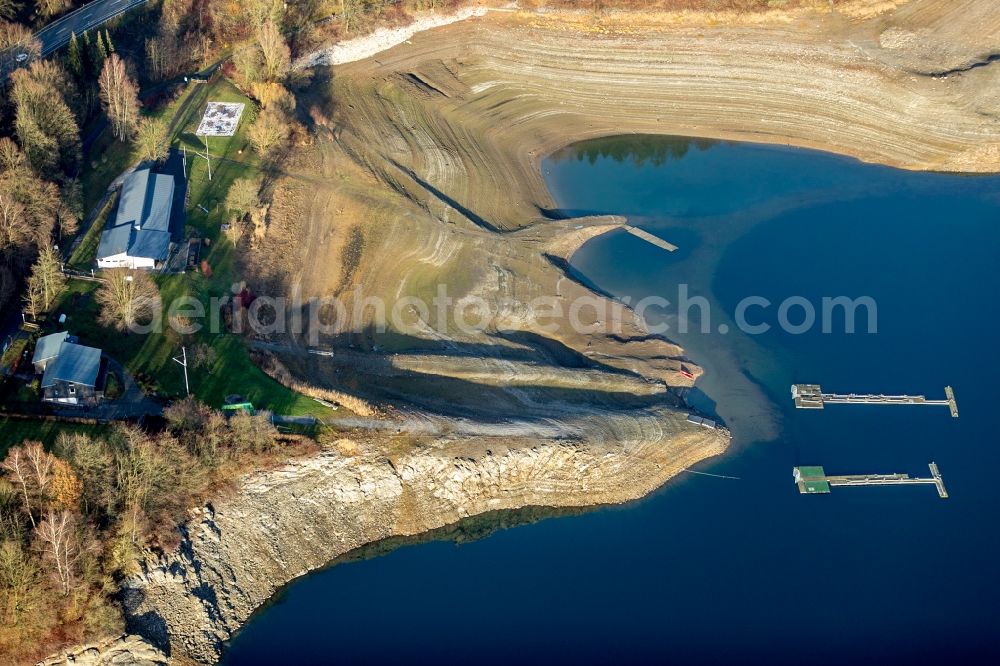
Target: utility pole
<point>208,158</point>
<point>184,363</point>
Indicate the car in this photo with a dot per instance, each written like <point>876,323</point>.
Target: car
<point>22,57</point>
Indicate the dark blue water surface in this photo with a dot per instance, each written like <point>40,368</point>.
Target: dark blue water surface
<point>710,569</point>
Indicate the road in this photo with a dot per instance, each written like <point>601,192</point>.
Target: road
<point>56,34</point>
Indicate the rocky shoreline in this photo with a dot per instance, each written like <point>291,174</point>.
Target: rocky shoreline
<point>284,523</point>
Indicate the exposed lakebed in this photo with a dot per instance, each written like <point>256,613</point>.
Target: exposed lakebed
<point>710,568</point>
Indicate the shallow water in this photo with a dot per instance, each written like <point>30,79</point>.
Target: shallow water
<point>708,568</point>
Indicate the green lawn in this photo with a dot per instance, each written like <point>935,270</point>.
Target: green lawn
<point>15,431</point>
<point>85,253</point>
<point>13,353</point>
<point>232,158</point>
<point>106,160</point>
<point>234,373</point>
<point>149,357</point>
<point>108,157</point>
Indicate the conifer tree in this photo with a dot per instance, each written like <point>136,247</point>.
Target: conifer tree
<point>74,62</point>
<point>100,53</point>
<point>87,53</point>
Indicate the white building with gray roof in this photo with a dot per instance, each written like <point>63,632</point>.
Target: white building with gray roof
<point>139,234</point>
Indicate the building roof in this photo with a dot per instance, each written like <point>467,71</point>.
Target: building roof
<point>48,346</point>
<point>141,227</point>
<point>76,364</point>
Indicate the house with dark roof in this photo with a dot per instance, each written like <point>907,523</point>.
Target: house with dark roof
<point>72,376</point>
<point>139,234</point>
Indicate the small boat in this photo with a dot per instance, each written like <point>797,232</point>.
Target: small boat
<point>685,372</point>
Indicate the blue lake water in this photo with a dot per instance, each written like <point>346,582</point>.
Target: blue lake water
<point>709,569</point>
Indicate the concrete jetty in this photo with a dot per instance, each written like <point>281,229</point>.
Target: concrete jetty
<point>811,396</point>
<point>650,238</point>
<point>814,480</point>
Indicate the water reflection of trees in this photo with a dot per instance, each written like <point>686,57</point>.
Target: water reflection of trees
<point>640,150</point>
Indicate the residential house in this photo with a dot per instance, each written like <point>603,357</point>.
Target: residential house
<point>139,234</point>
<point>47,349</point>
<point>72,376</point>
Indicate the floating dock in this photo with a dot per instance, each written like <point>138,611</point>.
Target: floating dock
<point>650,238</point>
<point>813,480</point>
<point>811,396</point>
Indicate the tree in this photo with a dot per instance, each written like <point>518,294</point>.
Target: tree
<point>74,61</point>
<point>13,228</point>
<point>11,157</point>
<point>45,125</point>
<point>273,95</point>
<point>66,489</point>
<point>108,46</point>
<point>9,9</point>
<point>256,12</point>
<point>17,35</point>
<point>70,208</point>
<point>92,460</point>
<point>18,578</point>
<point>46,281</point>
<point>60,545</point>
<point>29,468</point>
<point>243,196</point>
<point>249,63</point>
<point>120,97</point>
<point>269,132</point>
<point>50,7</point>
<point>100,49</point>
<point>349,11</point>
<point>90,64</point>
<point>253,434</point>
<point>276,54</point>
<point>154,479</point>
<point>151,140</point>
<point>127,298</point>
<point>38,203</point>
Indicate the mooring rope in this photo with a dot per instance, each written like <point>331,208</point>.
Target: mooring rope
<point>718,476</point>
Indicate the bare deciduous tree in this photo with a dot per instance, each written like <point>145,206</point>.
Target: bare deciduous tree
<point>127,298</point>
<point>9,9</point>
<point>120,97</point>
<point>349,12</point>
<point>19,36</point>
<point>151,141</point>
<point>29,467</point>
<point>11,156</point>
<point>46,281</point>
<point>243,196</point>
<point>270,131</point>
<point>45,125</point>
<point>13,227</point>
<point>277,56</point>
<point>59,542</point>
<point>18,576</point>
<point>50,7</point>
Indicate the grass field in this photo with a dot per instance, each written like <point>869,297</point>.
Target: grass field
<point>149,357</point>
<point>15,431</point>
<point>108,157</point>
<point>83,256</point>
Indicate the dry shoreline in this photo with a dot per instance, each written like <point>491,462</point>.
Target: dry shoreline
<point>432,158</point>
